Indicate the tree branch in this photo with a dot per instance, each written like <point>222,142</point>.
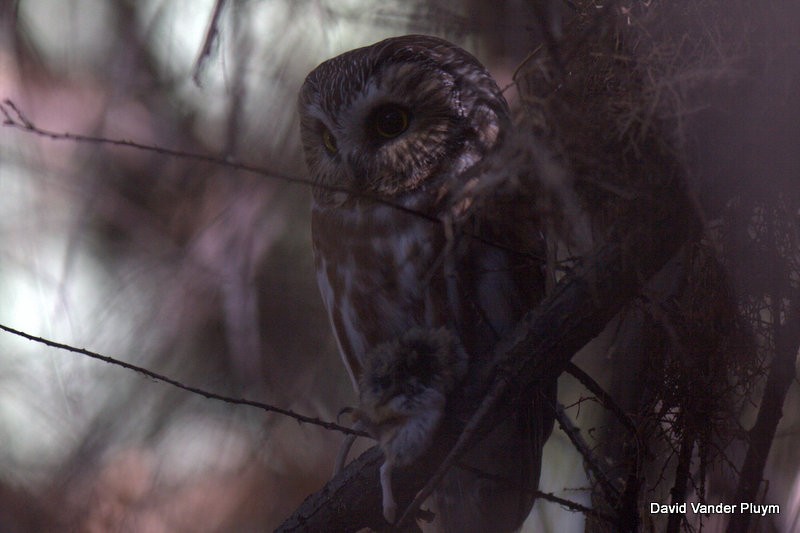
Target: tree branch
<point>595,465</point>
<point>602,396</point>
<point>537,351</point>
<point>212,34</point>
<point>14,118</point>
<point>781,374</point>
<point>175,383</point>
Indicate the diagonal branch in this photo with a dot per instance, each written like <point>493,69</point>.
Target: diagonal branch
<point>465,438</point>
<point>13,117</point>
<point>175,383</point>
<point>780,377</point>
<point>538,350</point>
<point>602,396</point>
<point>595,466</point>
<point>211,38</point>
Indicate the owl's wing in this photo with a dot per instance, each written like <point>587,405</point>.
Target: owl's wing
<point>351,362</point>
<point>331,278</point>
<point>507,259</point>
<point>499,210</point>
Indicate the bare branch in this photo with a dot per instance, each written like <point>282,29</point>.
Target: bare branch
<point>552,498</point>
<point>594,464</point>
<point>574,506</point>
<point>761,435</point>
<point>14,118</point>
<point>605,398</point>
<point>209,41</point>
<point>175,383</point>
<point>466,438</point>
<point>682,476</point>
<point>540,348</point>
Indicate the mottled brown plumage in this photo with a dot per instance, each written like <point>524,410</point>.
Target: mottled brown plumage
<point>418,225</point>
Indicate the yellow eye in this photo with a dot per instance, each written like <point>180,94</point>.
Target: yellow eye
<point>329,141</point>
<point>389,121</point>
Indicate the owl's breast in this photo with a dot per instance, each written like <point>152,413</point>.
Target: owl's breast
<point>375,270</point>
<point>382,271</point>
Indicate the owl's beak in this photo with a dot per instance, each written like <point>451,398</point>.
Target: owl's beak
<point>355,167</point>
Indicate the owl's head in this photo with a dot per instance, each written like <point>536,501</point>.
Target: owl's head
<point>391,117</point>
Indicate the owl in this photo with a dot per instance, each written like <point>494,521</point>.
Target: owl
<point>419,226</point>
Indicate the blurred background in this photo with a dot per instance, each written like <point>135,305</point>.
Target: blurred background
<point>203,272</point>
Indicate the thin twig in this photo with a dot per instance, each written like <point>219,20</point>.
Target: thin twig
<point>548,496</point>
<point>465,439</point>
<point>605,398</point>
<point>539,348</point>
<point>781,374</point>
<point>574,506</point>
<point>682,477</point>
<point>592,461</point>
<point>19,121</point>
<point>175,383</point>
<point>208,42</point>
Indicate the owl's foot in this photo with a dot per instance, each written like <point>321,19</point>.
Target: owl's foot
<point>344,450</point>
<point>389,505</point>
<point>347,443</point>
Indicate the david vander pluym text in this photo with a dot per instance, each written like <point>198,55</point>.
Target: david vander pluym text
<point>717,508</point>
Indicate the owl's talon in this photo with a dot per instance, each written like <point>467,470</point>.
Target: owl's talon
<point>347,443</point>
<point>341,457</point>
<point>389,505</point>
<point>390,511</point>
<point>344,411</point>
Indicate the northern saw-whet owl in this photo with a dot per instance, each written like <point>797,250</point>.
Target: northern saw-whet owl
<point>420,235</point>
